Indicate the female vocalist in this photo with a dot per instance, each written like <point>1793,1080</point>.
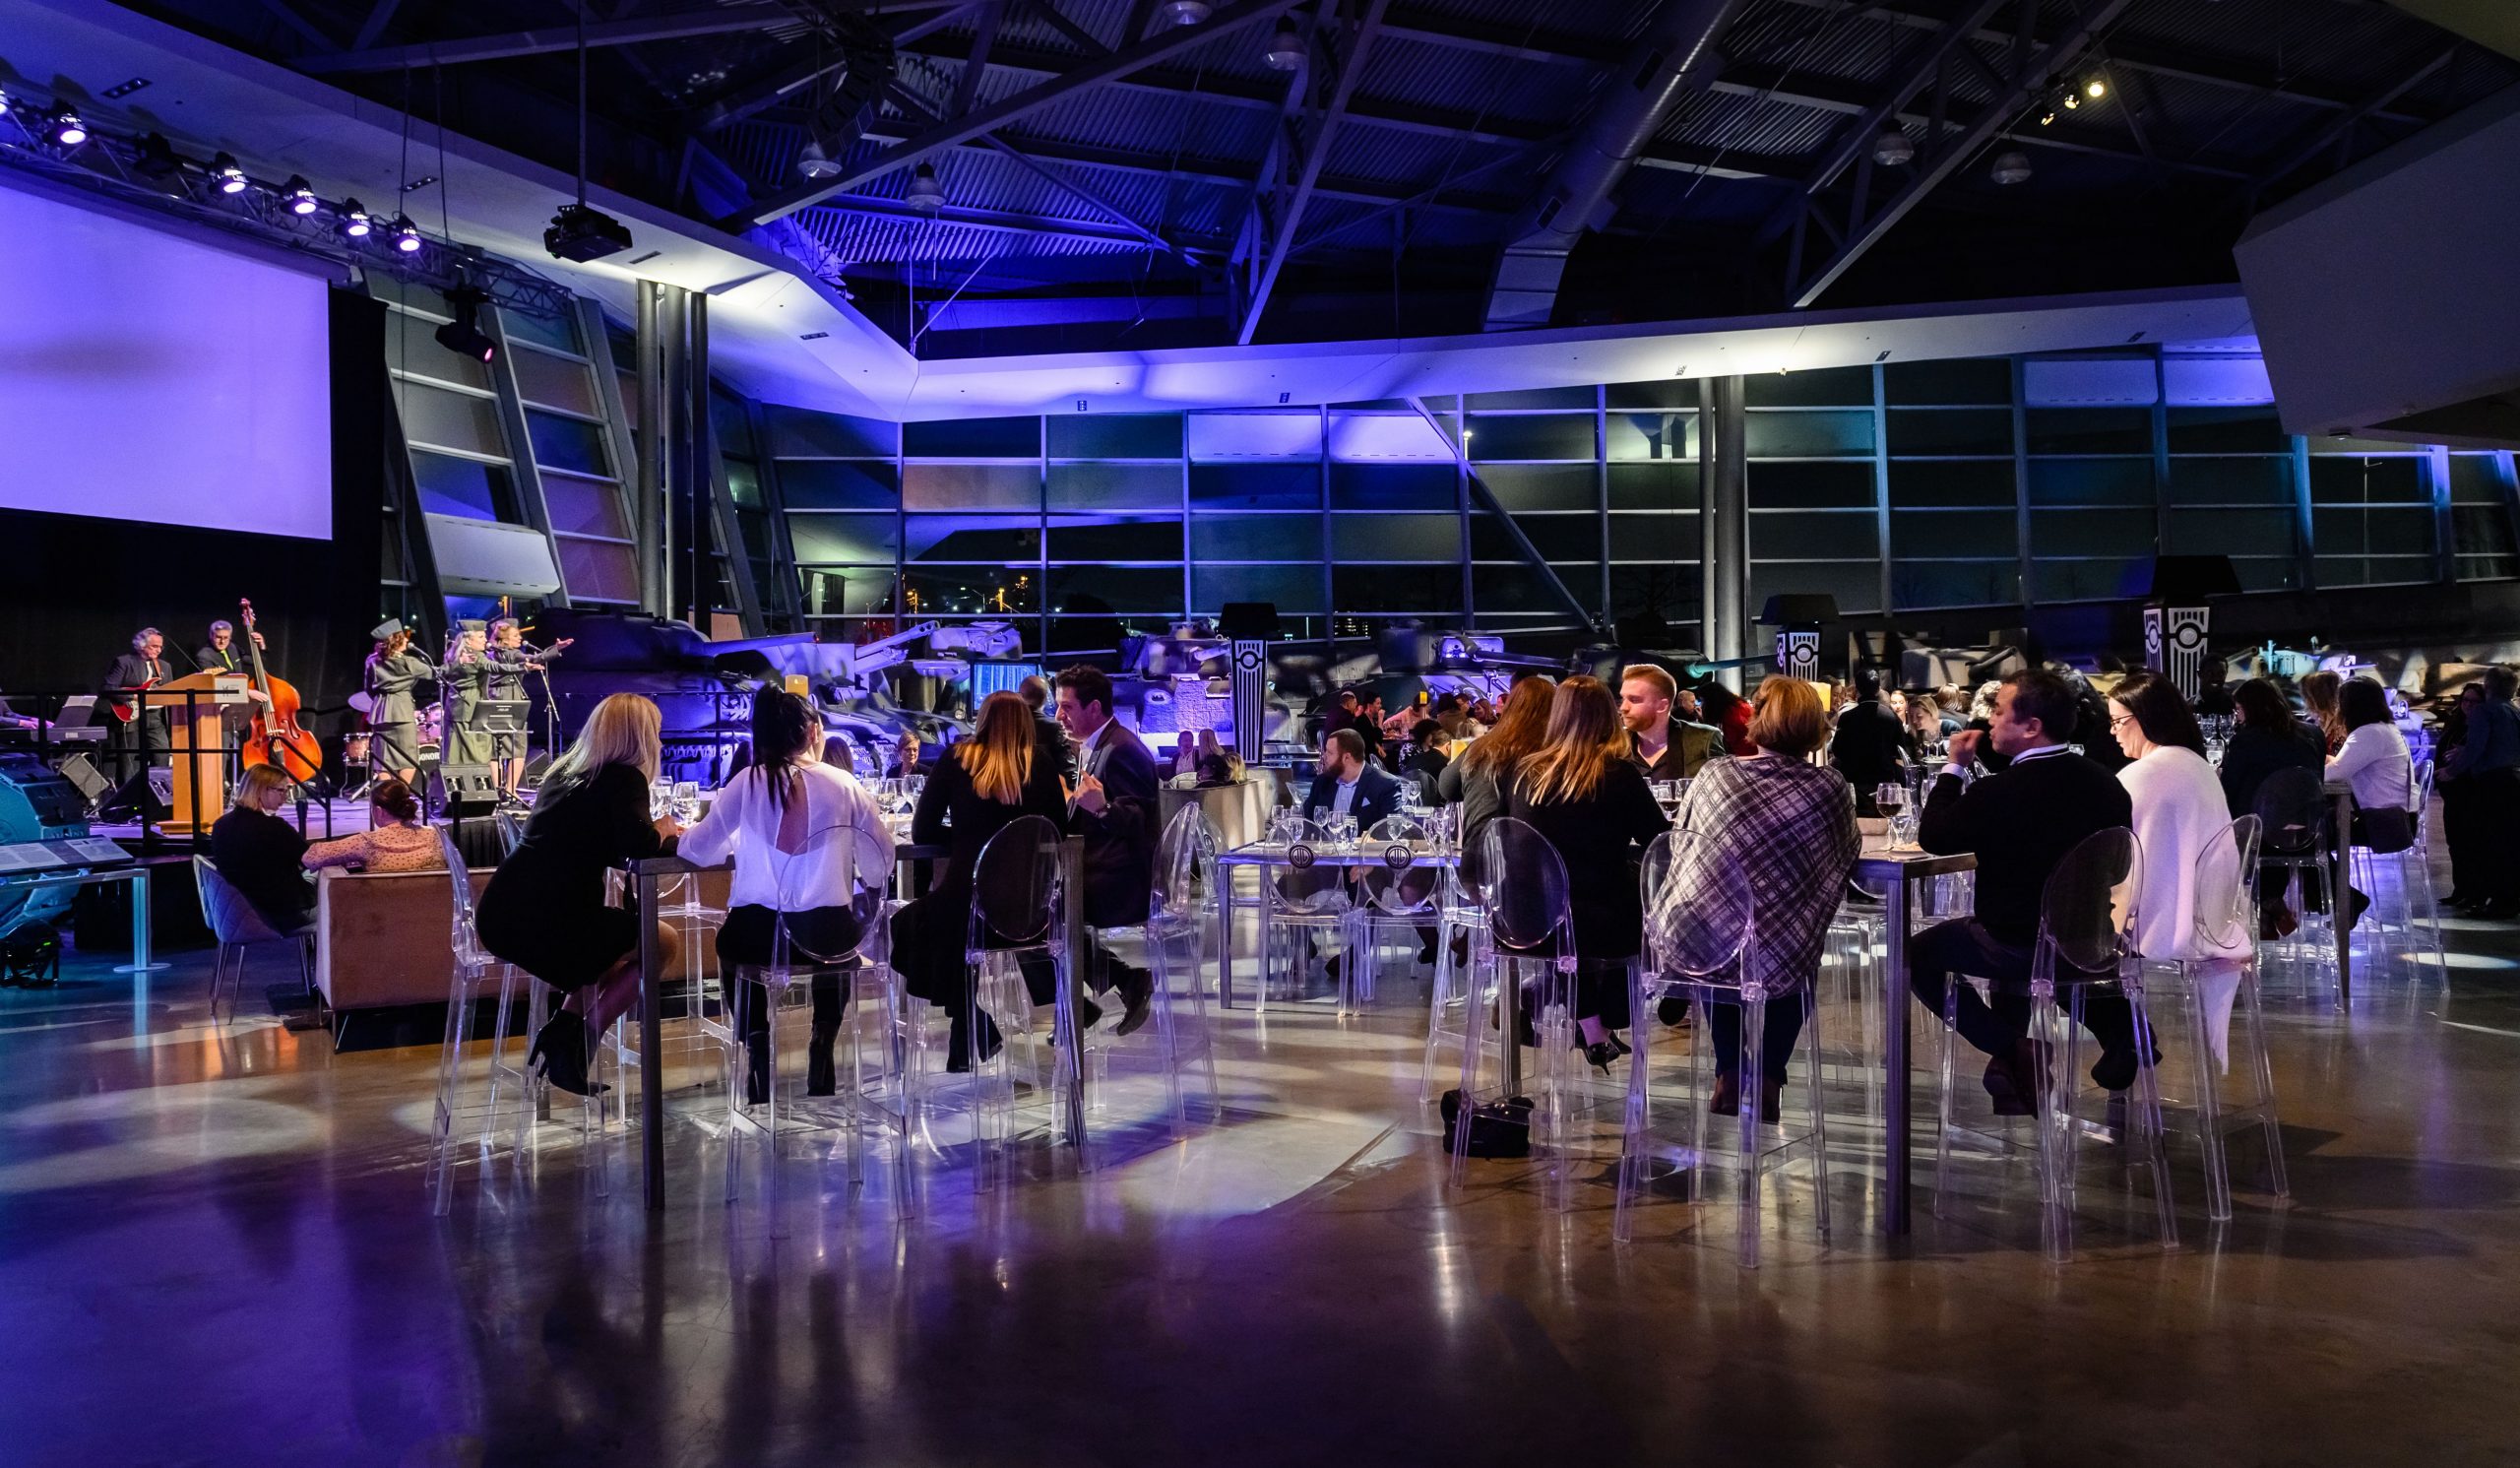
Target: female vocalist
<point>465,683</point>
<point>544,910</point>
<point>509,659</point>
<point>394,720</point>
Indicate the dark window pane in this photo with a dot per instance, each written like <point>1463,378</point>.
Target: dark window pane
<point>797,432</point>
<point>2482,529</point>
<point>1091,589</point>
<point>833,485</point>
<point>1666,393</point>
<point>1542,486</point>
<point>1655,486</point>
<point>1951,431</point>
<point>584,507</point>
<point>1857,589</point>
<point>2087,580</point>
<point>1827,387</point>
<point>1116,540</point>
<point>1117,435</point>
<point>1519,587</point>
<point>1539,436</point>
<point>2235,482</point>
<point>464,487</point>
<point>2088,430</point>
<point>972,438</point>
<point>1953,532</point>
<point>554,382</point>
<point>449,419</point>
<point>2375,570</point>
<point>732,425</point>
<point>831,591</point>
<point>974,590</point>
<point>1393,486</point>
<point>754,528</point>
<point>1666,591</point>
<point>996,540</point>
<point>1813,537</point>
<point>2476,480</point>
<point>2360,480</point>
<point>566,443</point>
<point>1433,590</point>
<point>1951,582</point>
<point>1294,589</point>
<point>558,332</point>
<point>1557,536</point>
<point>1640,536</point>
<point>1983,483</point>
<point>2092,481</point>
<point>1799,486</point>
<point>2231,533</point>
<point>1651,435</point>
<point>2089,533</point>
<point>1808,435</point>
<point>970,486</point>
<point>1255,538</point>
<point>1538,397</point>
<point>1293,485</point>
<point>1115,486</point>
<point>853,540</point>
<point>2226,431</point>
<point>1964,380</point>
<point>743,483</point>
<point>2381,532</point>
<point>1415,537</point>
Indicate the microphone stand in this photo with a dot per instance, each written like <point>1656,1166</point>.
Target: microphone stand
<point>550,717</point>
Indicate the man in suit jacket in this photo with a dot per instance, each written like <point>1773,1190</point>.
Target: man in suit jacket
<point>140,742</point>
<point>1870,746</point>
<point>2020,823</point>
<point>1669,747</point>
<point>1117,812</point>
<point>1349,784</point>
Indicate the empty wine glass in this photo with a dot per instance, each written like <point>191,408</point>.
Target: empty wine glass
<point>687,802</point>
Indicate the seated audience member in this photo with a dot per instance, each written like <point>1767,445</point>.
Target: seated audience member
<point>1789,825</point>
<point>544,910</point>
<point>2213,690</point>
<point>805,839</point>
<point>1924,723</point>
<point>2481,797</point>
<point>395,839</point>
<point>1982,718</point>
<point>1115,807</point>
<point>1052,740</point>
<point>2320,692</point>
<point>2265,739</point>
<point>1452,711</point>
<point>1662,744</point>
<point>841,754</point>
<point>1348,785</point>
<point>1583,794</point>
<point>1870,745</point>
<point>1729,711</point>
<point>982,784</point>
<point>260,855</point>
<point>2179,812</point>
<point>1951,705</point>
<point>1474,778</point>
<point>2374,760</point>
<point>2020,822</point>
<point>1429,750</point>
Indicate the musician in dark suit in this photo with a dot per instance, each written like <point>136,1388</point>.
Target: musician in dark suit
<point>1349,784</point>
<point>219,655</point>
<point>134,744</point>
<point>1115,808</point>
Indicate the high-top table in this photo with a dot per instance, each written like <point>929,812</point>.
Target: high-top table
<point>1898,873</point>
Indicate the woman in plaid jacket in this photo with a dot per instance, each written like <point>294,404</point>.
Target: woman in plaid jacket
<point>1789,825</point>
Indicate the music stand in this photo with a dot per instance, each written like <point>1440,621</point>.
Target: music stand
<point>504,715</point>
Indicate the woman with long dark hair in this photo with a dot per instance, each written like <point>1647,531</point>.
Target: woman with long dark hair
<point>2178,810</point>
<point>1475,778</point>
<point>1582,791</point>
<point>806,839</point>
<point>2267,737</point>
<point>544,910</point>
<point>2374,760</point>
<point>981,786</point>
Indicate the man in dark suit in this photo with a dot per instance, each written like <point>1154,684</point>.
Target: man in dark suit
<point>2020,823</point>
<point>1115,811</point>
<point>142,741</point>
<point>1870,746</point>
<point>1050,742</point>
<point>1350,786</point>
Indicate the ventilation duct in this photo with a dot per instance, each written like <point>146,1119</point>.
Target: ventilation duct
<point>1679,56</point>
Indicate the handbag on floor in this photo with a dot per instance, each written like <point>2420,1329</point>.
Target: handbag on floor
<point>1498,1128</point>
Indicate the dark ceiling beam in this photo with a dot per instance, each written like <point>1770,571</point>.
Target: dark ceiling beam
<point>967,88</point>
<point>379,15</point>
<point>1134,57</point>
<point>1360,44</point>
<point>288,16</point>
<point>917,111</point>
<point>1422,199</point>
<point>1947,154</point>
<point>2342,127</point>
<point>1003,221</point>
<point>1419,23</point>
<point>720,21</point>
<point>1134,25</point>
<point>1084,39</point>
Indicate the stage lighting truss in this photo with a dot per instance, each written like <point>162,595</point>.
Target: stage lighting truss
<point>147,170</point>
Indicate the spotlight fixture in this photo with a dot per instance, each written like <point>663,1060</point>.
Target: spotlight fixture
<point>356,223</point>
<point>407,235</point>
<point>2011,168</point>
<point>464,335</point>
<point>1185,12</point>
<point>924,194</point>
<point>2072,102</point>
<point>225,172</point>
<point>813,163</point>
<point>1893,149</point>
<point>2047,118</point>
<point>1285,49</point>
<point>2095,88</point>
<point>154,158</point>
<point>65,130</point>
<point>300,196</point>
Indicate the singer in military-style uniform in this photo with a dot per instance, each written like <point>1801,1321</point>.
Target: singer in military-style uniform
<point>510,658</point>
<point>393,716</point>
<point>465,683</point>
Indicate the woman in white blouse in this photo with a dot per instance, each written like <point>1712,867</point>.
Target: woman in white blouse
<point>2374,760</point>
<point>2179,811</point>
<point>806,840</point>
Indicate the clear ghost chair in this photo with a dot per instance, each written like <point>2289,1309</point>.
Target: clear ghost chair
<point>1175,933</point>
<point>2224,924</point>
<point>1396,888</point>
<point>1304,895</point>
<point>1018,899</point>
<point>1530,939</point>
<point>2393,916</point>
<point>2294,819</point>
<point>1701,943</point>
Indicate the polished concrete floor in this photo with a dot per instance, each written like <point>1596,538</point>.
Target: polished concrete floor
<point>215,1249</point>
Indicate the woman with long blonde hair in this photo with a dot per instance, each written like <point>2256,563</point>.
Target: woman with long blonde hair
<point>544,910</point>
<point>982,784</point>
<point>1582,791</point>
<point>1475,778</point>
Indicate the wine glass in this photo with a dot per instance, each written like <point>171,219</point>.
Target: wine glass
<point>1890,798</point>
<point>687,802</point>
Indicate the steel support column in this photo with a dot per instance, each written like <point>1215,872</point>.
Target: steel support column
<point>1726,496</point>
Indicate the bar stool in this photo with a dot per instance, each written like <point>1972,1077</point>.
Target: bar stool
<point>474,969</point>
<point>1531,939</point>
<point>2223,919</point>
<point>2294,819</point>
<point>1701,943</point>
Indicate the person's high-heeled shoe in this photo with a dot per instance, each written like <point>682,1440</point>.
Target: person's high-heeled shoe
<point>1603,1055</point>
<point>559,1055</point>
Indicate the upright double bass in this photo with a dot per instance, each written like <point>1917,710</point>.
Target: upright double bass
<point>276,736</point>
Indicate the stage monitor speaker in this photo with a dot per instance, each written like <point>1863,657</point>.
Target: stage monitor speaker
<point>84,778</point>
<point>1240,622</point>
<point>148,795</point>
<point>470,790</point>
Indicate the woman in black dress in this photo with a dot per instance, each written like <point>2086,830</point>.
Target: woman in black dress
<point>979,787</point>
<point>258,854</point>
<point>544,910</point>
<point>1583,793</point>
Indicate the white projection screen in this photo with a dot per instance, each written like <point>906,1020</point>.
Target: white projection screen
<point>147,378</point>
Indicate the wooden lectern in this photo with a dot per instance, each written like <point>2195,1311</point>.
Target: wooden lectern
<point>196,707</point>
